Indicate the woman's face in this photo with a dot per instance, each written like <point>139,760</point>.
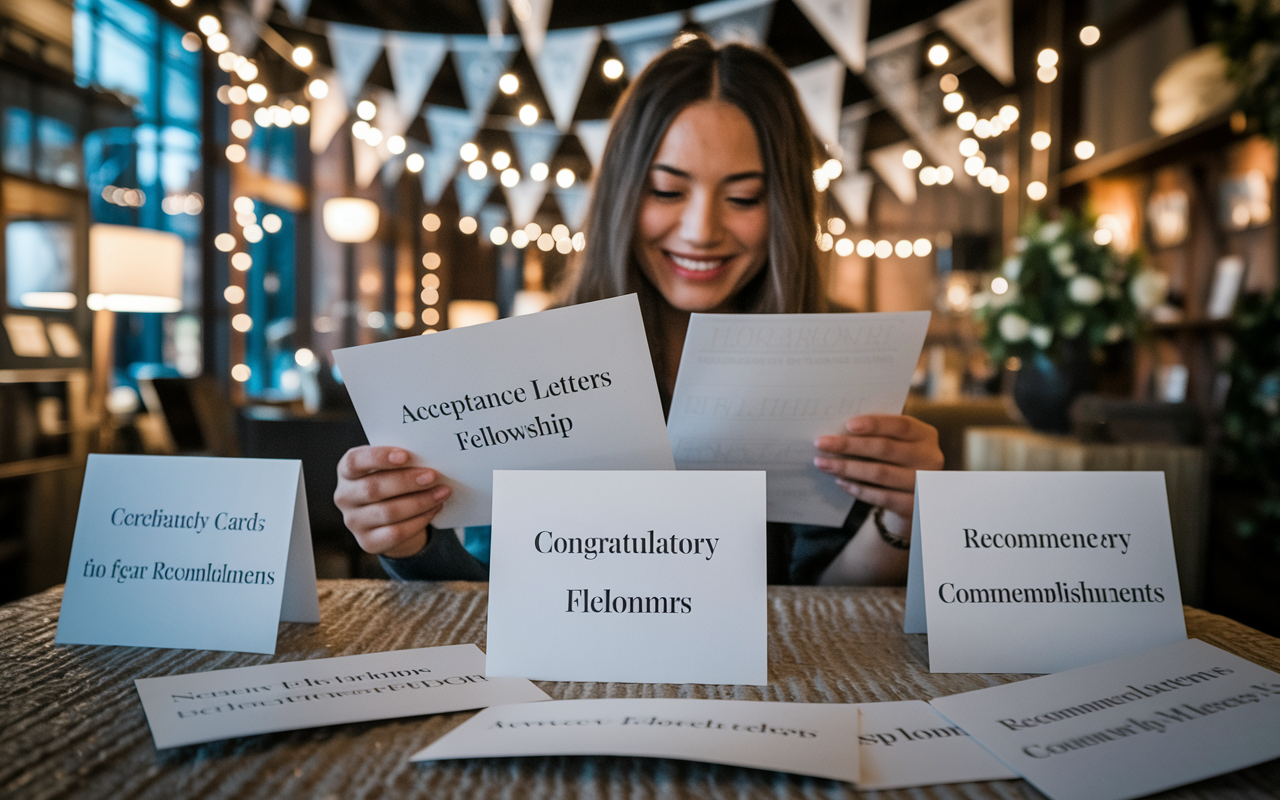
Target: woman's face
<point>703,231</point>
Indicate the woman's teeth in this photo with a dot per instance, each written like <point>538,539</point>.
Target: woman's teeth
<point>696,265</point>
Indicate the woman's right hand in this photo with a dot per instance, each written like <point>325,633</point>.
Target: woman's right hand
<point>386,504</point>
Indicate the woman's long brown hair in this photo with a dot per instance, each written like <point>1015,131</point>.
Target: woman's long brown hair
<point>757,84</point>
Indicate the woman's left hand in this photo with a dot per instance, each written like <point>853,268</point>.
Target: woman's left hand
<point>876,461</point>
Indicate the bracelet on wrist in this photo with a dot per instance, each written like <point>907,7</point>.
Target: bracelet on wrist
<point>891,539</point>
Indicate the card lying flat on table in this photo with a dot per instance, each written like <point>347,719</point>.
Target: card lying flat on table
<point>907,743</point>
<point>1129,727</point>
<point>208,706</point>
<point>817,739</point>
<point>570,388</point>
<point>755,390</point>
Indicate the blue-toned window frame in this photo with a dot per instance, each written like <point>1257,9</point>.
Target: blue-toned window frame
<point>144,341</point>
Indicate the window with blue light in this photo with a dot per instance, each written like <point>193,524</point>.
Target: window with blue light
<point>269,301</point>
<point>125,47</point>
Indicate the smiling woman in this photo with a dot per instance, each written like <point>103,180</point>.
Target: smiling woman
<point>704,202</point>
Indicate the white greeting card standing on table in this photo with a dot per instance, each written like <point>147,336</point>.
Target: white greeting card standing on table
<point>569,388</point>
<point>802,738</point>
<point>755,390</point>
<point>1041,571</point>
<point>1129,727</point>
<point>189,553</point>
<point>638,577</point>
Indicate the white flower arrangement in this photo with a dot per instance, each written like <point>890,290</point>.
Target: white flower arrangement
<point>1063,287</point>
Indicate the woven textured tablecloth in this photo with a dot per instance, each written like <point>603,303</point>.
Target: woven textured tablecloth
<point>71,724</point>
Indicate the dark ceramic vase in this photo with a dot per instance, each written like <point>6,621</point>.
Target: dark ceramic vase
<point>1044,389</point>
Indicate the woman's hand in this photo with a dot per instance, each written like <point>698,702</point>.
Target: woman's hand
<point>386,504</point>
<point>876,461</point>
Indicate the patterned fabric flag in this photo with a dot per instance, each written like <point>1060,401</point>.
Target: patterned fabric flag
<point>853,192</point>
<point>594,135</point>
<point>414,58</point>
<point>531,18</point>
<point>450,129</point>
<point>533,143</point>
<point>328,113</point>
<point>473,194</point>
<point>494,13</point>
<point>640,41</point>
<point>843,23</point>
<point>985,29</point>
<point>355,50</point>
<point>525,199</point>
<point>735,21</point>
<point>297,8</point>
<point>820,85</point>
<point>573,205</point>
<point>562,69</point>
<point>887,162</point>
<point>480,63</point>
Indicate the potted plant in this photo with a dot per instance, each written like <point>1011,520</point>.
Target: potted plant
<point>1055,305</point>
<point>1249,452</point>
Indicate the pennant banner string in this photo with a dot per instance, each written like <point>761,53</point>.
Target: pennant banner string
<point>415,59</point>
<point>562,69</point>
<point>639,41</point>
<point>735,21</point>
<point>355,50</point>
<point>531,18</point>
<point>480,64</point>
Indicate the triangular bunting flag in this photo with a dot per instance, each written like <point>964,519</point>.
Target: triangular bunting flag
<point>852,191</point>
<point>392,170</point>
<point>573,205</point>
<point>820,85</point>
<point>240,27</point>
<point>562,69</point>
<point>355,49</point>
<point>436,174</point>
<point>640,41</point>
<point>389,120</point>
<point>887,162</point>
<point>534,143</point>
<point>735,21</point>
<point>472,194</point>
<point>853,131</point>
<point>531,18</point>
<point>985,29</point>
<point>297,8</point>
<point>524,199</point>
<point>494,13</point>
<point>594,135</point>
<point>450,129</point>
<point>843,23</point>
<point>491,216</point>
<point>366,162</point>
<point>480,64</point>
<point>415,58</point>
<point>328,113</point>
<point>892,76</point>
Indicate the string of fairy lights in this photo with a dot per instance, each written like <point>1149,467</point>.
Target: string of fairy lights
<point>245,91</point>
<point>283,110</point>
<point>981,128</point>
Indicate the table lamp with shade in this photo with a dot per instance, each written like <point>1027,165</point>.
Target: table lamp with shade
<point>350,221</point>
<point>130,269</point>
